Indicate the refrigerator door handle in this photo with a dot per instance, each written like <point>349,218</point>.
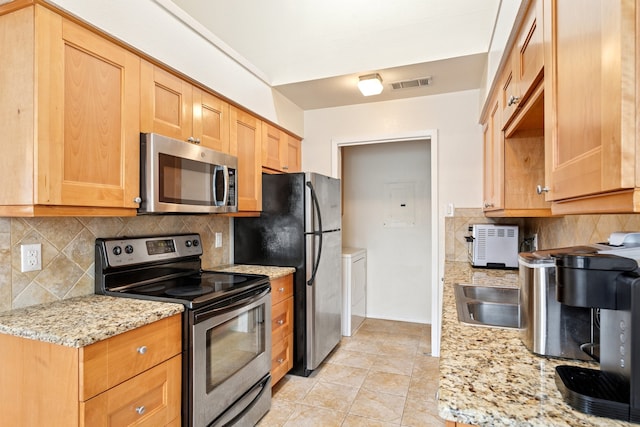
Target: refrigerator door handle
<point>317,233</point>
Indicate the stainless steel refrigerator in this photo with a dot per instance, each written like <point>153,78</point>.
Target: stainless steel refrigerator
<point>300,226</point>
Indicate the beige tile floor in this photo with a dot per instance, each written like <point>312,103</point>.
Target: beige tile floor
<point>382,376</point>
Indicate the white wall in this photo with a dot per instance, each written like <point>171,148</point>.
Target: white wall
<point>453,115</point>
<point>398,278</point>
<point>150,28</point>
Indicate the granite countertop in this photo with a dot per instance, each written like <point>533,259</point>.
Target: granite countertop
<point>81,321</point>
<point>271,271</point>
<point>488,377</point>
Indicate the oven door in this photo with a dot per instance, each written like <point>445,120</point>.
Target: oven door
<point>231,360</point>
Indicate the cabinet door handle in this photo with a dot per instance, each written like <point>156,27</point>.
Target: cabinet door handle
<point>140,410</point>
<point>540,189</point>
<point>142,349</point>
<point>137,200</point>
<point>280,322</point>
<point>280,289</point>
<point>280,360</point>
<point>193,140</point>
<point>513,100</point>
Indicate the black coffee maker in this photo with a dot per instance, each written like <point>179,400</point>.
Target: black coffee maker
<point>612,284</point>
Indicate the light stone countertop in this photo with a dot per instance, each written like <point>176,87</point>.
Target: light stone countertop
<point>81,321</point>
<point>271,271</point>
<point>489,378</point>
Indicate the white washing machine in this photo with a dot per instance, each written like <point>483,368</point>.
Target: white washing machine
<point>354,289</point>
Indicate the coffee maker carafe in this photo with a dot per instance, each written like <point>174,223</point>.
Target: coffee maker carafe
<point>612,284</point>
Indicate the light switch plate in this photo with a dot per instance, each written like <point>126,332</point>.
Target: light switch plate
<point>218,240</point>
<point>31,257</point>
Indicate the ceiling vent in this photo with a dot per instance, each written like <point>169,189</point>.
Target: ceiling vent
<point>405,84</point>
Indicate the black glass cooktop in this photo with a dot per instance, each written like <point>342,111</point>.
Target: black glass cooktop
<point>198,288</point>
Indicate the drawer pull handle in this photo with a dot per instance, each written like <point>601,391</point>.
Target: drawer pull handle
<point>281,289</point>
<point>280,322</point>
<point>280,360</point>
<point>142,349</point>
<point>140,410</point>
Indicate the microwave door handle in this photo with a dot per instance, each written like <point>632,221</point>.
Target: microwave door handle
<point>225,199</point>
<point>225,171</point>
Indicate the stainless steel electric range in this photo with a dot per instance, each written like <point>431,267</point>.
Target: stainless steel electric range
<point>226,323</point>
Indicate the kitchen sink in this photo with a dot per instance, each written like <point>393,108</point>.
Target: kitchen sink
<point>488,306</point>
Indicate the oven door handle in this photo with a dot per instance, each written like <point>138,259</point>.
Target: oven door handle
<point>253,396</point>
<point>200,317</point>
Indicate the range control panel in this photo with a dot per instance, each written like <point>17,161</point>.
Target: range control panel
<point>125,251</point>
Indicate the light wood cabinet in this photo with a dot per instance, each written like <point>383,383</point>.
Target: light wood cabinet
<point>281,327</point>
<point>455,424</point>
<point>524,69</point>
<point>493,158</point>
<point>174,107</point>
<point>280,151</point>
<point>129,379</point>
<point>70,116</point>
<point>246,144</point>
<point>591,111</point>
<point>513,127</point>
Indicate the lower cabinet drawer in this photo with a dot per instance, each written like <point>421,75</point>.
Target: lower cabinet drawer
<point>281,319</point>
<point>152,398</point>
<point>281,358</point>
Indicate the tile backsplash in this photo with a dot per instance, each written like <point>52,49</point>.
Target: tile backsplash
<point>554,232</point>
<point>68,251</point>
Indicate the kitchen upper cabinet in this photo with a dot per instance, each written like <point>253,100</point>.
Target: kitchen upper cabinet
<point>293,154</point>
<point>525,65</point>
<point>514,161</point>
<point>280,151</point>
<point>174,107</point>
<point>246,143</point>
<point>591,116</point>
<point>70,116</point>
<point>493,158</point>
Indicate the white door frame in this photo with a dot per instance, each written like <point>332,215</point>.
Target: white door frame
<point>437,267</point>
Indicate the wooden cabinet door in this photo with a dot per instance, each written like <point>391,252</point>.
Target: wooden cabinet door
<point>525,66</point>
<point>293,154</point>
<point>88,117</point>
<point>245,142</point>
<point>529,51</point>
<point>493,159</point>
<point>589,97</point>
<point>273,141</point>
<point>210,120</point>
<point>166,103</point>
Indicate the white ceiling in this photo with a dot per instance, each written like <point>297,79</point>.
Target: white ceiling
<point>313,51</point>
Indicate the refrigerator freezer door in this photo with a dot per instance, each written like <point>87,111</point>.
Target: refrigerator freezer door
<point>324,297</point>
<point>327,191</point>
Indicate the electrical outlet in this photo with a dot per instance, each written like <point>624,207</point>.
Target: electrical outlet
<point>218,240</point>
<point>31,257</point>
<point>534,242</point>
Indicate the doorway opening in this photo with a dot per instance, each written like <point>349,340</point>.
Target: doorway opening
<point>390,202</point>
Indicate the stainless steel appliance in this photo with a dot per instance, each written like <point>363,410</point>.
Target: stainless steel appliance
<point>177,176</point>
<point>300,226</point>
<point>548,327</point>
<point>493,245</point>
<point>226,323</point>
<point>612,284</point>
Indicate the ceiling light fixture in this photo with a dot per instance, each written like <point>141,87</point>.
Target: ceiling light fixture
<point>371,84</point>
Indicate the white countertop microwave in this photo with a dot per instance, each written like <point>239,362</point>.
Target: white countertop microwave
<point>493,245</point>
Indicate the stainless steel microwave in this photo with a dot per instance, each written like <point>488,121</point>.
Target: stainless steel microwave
<point>182,177</point>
